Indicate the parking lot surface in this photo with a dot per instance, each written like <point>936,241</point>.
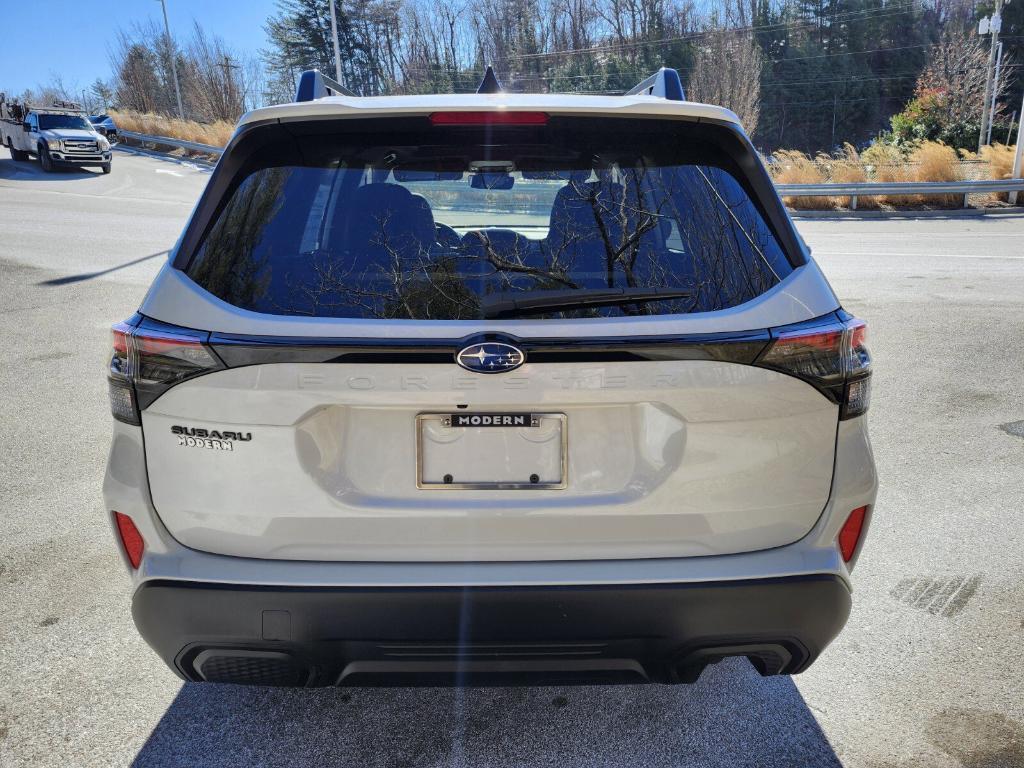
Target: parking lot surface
<point>927,672</point>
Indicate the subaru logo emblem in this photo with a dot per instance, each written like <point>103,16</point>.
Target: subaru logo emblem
<point>490,357</point>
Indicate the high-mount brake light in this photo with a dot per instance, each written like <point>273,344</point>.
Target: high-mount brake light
<point>149,359</point>
<point>832,355</point>
<point>498,117</point>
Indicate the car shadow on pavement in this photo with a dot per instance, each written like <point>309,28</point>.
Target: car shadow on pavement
<point>730,717</point>
<point>11,169</point>
<point>90,275</point>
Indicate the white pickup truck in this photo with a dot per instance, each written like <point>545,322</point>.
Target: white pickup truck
<point>59,135</point>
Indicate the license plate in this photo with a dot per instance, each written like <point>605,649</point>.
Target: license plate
<point>490,420</point>
<point>491,451</point>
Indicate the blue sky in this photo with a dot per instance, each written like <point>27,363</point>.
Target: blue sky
<point>70,38</point>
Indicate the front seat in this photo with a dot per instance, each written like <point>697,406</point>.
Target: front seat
<point>381,223</point>
<point>589,220</point>
<point>376,251</point>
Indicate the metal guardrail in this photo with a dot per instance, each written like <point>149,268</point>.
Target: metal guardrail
<point>167,141</point>
<point>853,191</point>
<point>871,189</point>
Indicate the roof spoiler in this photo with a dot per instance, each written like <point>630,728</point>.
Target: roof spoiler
<point>664,83</point>
<point>314,84</point>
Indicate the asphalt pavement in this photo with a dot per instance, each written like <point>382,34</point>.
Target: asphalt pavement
<point>928,671</point>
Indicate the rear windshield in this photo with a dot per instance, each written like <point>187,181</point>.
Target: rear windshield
<point>436,222</point>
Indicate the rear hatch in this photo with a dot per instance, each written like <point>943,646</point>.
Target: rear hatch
<point>408,339</point>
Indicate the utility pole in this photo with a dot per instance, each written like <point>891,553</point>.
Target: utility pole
<point>989,26</point>
<point>229,84</point>
<point>337,48</point>
<point>835,101</point>
<point>174,64</point>
<point>1012,197</point>
<point>995,93</point>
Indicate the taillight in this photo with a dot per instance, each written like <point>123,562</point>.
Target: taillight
<point>119,383</point>
<point>831,354</point>
<point>149,359</point>
<point>131,539</point>
<point>849,534</point>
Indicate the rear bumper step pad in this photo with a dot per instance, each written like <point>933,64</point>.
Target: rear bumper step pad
<point>484,635</point>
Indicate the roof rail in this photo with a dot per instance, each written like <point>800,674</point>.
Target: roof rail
<point>314,84</point>
<point>664,83</point>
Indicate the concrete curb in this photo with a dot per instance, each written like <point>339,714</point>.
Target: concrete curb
<point>122,147</point>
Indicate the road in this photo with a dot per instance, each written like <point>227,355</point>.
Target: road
<point>927,673</point>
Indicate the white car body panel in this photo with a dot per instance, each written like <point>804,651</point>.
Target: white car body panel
<point>727,458</point>
<point>126,489</point>
<point>666,459</point>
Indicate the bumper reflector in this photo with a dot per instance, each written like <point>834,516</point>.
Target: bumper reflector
<point>131,539</point>
<point>849,535</point>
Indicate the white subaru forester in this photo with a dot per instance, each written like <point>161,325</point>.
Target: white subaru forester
<point>489,388</point>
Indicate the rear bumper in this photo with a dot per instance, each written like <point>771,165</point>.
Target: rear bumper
<point>509,635</point>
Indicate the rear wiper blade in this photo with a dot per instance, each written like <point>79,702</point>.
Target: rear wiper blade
<point>516,304</point>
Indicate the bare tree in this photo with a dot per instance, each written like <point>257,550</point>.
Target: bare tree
<point>512,35</point>
<point>436,47</point>
<point>727,71</point>
<point>956,69</point>
<point>137,83</point>
<point>575,22</point>
<point>214,80</point>
<point>631,21</point>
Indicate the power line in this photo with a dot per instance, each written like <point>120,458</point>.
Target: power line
<point>810,103</point>
<point>892,10</point>
<point>768,83</point>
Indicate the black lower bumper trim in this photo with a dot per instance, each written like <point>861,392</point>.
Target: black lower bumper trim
<point>485,635</point>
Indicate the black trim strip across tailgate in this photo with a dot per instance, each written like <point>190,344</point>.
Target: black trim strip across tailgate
<point>237,351</point>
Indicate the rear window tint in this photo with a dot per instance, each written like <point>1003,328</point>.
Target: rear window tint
<point>425,223</point>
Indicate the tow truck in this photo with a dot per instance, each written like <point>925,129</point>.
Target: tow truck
<point>58,135</point>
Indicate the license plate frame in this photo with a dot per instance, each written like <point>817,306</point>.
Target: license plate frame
<point>534,420</point>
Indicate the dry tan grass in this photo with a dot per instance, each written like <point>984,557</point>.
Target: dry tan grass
<point>929,161</point>
<point>1000,160</point>
<point>1000,165</point>
<point>794,167</point>
<point>889,165</point>
<point>848,168</point>
<point>934,161</point>
<point>216,134</point>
